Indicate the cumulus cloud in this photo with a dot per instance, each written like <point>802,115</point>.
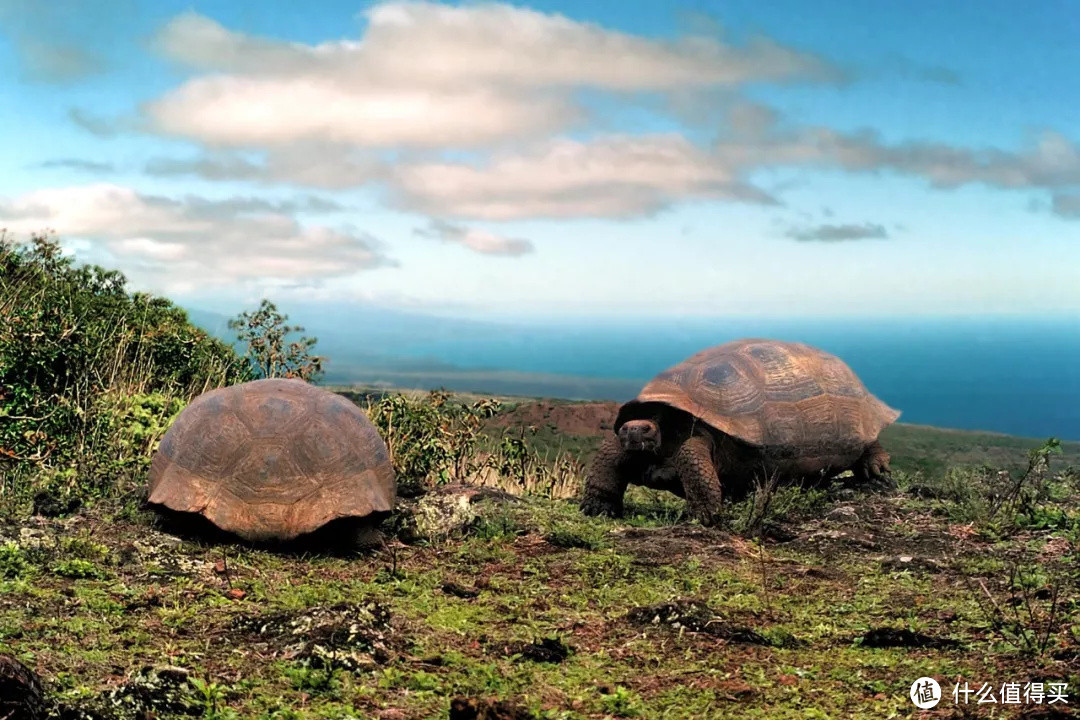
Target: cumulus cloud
<point>839,233</point>
<point>256,112</point>
<point>481,241</point>
<point>490,43</point>
<point>193,240</point>
<point>613,177</point>
<point>487,72</point>
<point>502,82</point>
<point>625,176</point>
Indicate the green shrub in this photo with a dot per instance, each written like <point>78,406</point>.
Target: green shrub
<point>431,440</point>
<point>13,563</point>
<point>322,681</point>
<point>133,426</point>
<point>622,702</point>
<point>269,352</point>
<point>73,340</point>
<point>999,500</point>
<point>586,536</point>
<point>78,569</point>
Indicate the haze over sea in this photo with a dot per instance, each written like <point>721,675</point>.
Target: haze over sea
<point>1013,375</point>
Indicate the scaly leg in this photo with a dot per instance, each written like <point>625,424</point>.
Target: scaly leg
<point>606,481</point>
<point>700,481</point>
<point>873,466</point>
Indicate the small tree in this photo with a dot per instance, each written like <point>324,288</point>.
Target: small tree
<point>269,353</point>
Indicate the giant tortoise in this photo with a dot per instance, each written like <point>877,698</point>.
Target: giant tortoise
<point>276,460</point>
<point>748,408</point>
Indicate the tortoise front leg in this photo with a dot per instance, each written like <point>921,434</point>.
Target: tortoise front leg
<point>606,481</point>
<point>700,480</point>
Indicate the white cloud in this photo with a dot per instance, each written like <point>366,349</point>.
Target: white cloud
<point>615,177</point>
<point>194,242</point>
<point>432,75</point>
<point>632,176</point>
<point>259,112</point>
<point>481,241</point>
<point>425,78</point>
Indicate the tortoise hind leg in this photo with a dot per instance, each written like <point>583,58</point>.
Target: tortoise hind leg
<point>606,481</point>
<point>873,467</point>
<point>700,481</point>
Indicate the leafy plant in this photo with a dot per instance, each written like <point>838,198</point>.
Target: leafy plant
<point>323,681</point>
<point>431,440</point>
<point>211,696</point>
<point>1029,613</point>
<point>77,568</point>
<point>621,702</point>
<point>13,563</point>
<point>270,353</point>
<point>72,339</point>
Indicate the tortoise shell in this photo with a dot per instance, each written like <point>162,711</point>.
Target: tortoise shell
<point>273,459</point>
<point>769,393</point>
<point>21,695</point>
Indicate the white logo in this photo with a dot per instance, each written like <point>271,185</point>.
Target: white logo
<point>925,693</point>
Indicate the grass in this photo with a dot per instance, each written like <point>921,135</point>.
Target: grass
<point>93,600</point>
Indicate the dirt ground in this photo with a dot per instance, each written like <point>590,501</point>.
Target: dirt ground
<point>539,612</point>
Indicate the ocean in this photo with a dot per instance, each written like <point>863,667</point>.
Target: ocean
<point>1015,376</point>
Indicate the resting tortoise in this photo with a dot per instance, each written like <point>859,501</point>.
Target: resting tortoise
<point>276,460</point>
<point>735,411</point>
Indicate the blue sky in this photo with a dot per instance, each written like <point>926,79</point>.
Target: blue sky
<point>557,158</point>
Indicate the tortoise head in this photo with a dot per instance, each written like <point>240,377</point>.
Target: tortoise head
<point>640,436</point>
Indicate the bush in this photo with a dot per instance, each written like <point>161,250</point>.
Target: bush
<point>269,353</point>
<point>13,563</point>
<point>431,440</point>
<point>90,372</point>
<point>997,499</point>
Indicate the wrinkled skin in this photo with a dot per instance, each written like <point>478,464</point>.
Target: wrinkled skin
<point>672,451</point>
